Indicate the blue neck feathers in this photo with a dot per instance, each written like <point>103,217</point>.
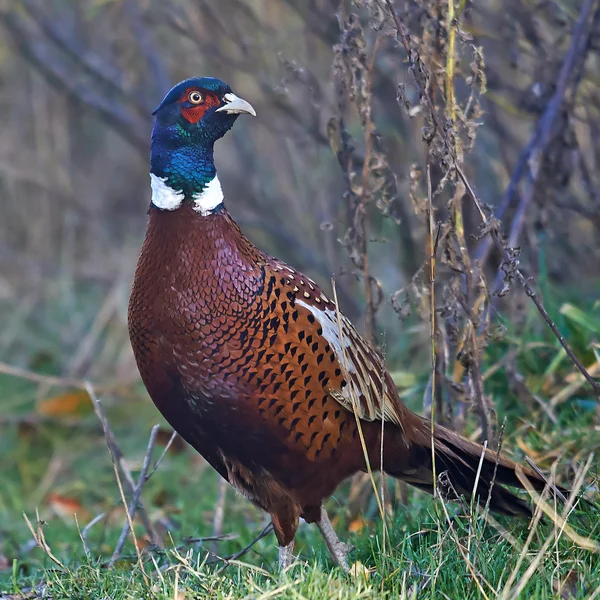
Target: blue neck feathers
<point>186,164</point>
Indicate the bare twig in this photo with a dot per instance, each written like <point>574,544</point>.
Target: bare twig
<point>483,402</point>
<point>137,492</point>
<point>115,451</point>
<point>163,454</point>
<point>39,378</point>
<point>531,157</point>
<point>85,532</point>
<point>85,348</point>
<point>91,63</point>
<point>488,501</point>
<point>225,537</point>
<point>432,259</point>
<point>54,381</point>
<point>115,455</point>
<point>573,64</point>
<point>531,293</point>
<point>488,421</point>
<point>268,528</point>
<point>152,54</point>
<point>361,210</point>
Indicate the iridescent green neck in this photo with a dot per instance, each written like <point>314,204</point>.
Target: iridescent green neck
<point>181,159</point>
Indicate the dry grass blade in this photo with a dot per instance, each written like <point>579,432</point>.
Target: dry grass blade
<point>523,554</point>
<point>219,514</point>
<point>559,521</point>
<point>531,569</point>
<point>476,577</point>
<point>560,524</point>
<point>276,592</point>
<point>355,403</point>
<point>473,506</point>
<point>40,538</point>
<point>572,388</point>
<point>595,594</point>
<point>548,483</point>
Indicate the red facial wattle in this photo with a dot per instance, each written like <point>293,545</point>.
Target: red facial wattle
<point>193,113</point>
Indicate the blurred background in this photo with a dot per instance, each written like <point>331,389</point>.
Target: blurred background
<point>331,177</point>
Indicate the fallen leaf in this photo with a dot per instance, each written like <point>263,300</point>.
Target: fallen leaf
<point>357,525</point>
<point>359,570</point>
<point>142,542</point>
<point>69,404</point>
<point>65,507</point>
<point>528,450</point>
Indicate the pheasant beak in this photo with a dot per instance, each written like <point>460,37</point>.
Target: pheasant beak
<point>236,106</point>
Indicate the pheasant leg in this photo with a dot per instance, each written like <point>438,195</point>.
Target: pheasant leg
<point>337,549</point>
<point>286,556</point>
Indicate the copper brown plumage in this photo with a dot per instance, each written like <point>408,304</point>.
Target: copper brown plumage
<point>256,368</point>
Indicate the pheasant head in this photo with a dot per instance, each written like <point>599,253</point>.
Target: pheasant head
<point>190,119</point>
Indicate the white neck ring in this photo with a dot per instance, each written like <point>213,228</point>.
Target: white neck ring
<point>166,198</point>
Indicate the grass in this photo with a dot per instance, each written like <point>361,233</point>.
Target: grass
<point>423,560</point>
<point>55,460</point>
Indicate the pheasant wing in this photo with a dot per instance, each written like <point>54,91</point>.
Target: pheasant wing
<point>357,377</point>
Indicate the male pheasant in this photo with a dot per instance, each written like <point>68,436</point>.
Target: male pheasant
<point>252,363</point>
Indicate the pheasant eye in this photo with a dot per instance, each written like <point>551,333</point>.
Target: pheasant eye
<point>195,97</point>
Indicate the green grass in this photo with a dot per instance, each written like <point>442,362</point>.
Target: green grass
<point>59,464</point>
<point>422,558</point>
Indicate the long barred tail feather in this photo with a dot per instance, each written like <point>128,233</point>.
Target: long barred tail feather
<point>460,459</point>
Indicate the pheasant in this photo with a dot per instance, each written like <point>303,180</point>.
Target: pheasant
<point>253,365</point>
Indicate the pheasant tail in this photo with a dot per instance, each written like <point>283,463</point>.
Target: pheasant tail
<point>457,467</point>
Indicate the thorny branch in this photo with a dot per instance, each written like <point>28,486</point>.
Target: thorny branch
<point>511,265</point>
<point>354,74</point>
<point>491,226</point>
